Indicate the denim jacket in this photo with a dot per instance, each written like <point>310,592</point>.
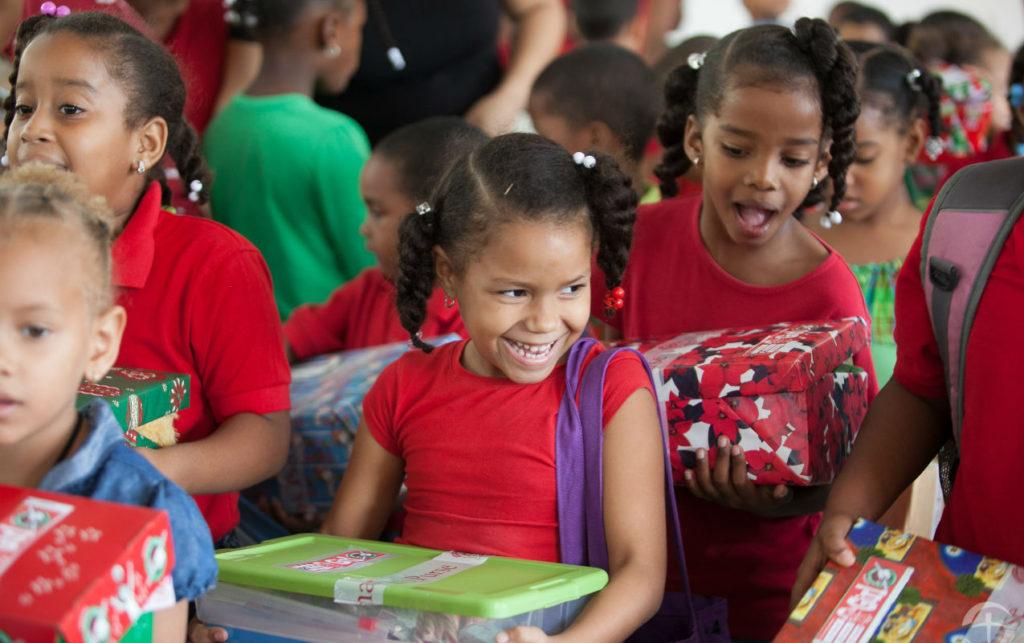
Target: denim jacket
<point>105,468</point>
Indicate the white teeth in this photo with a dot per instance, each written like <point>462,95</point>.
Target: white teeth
<point>531,351</point>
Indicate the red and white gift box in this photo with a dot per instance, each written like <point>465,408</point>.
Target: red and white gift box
<point>79,570</point>
<point>786,394</point>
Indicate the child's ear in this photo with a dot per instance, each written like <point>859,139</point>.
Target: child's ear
<point>914,140</point>
<point>824,158</point>
<point>445,271</point>
<point>600,137</point>
<point>692,142</point>
<point>106,343</point>
<point>152,138</point>
<point>330,28</point>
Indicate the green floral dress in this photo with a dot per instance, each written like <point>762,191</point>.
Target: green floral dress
<point>878,283</point>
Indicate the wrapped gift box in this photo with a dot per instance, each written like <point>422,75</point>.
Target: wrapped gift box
<point>785,393</point>
<point>138,397</point>
<point>327,404</point>
<point>312,587</point>
<point>904,588</point>
<point>80,570</point>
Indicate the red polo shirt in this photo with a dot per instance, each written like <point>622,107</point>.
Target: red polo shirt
<point>200,301</point>
<point>362,313</point>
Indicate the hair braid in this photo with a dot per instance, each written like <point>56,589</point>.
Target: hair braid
<point>612,202</point>
<point>184,147</point>
<point>416,274</point>
<point>836,72</point>
<point>931,89</point>
<point>680,102</point>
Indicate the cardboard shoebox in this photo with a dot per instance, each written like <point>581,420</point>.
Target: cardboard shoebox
<point>79,570</point>
<point>903,589</point>
<point>312,587</point>
<point>139,397</point>
<point>327,404</point>
<point>787,394</point>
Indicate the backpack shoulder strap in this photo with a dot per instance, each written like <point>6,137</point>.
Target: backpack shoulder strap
<point>969,222</point>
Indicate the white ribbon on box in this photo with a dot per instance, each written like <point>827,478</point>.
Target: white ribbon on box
<point>370,591</point>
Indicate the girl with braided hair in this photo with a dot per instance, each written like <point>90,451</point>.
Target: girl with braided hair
<point>899,116</point>
<point>470,426</point>
<point>94,96</point>
<point>768,115</point>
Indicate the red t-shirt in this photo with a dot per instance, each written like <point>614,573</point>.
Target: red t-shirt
<point>674,286</point>
<point>479,452</point>
<point>983,512</point>
<point>362,313</point>
<point>197,41</point>
<point>199,301</point>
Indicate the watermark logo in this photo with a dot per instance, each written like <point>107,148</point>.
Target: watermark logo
<point>992,622</point>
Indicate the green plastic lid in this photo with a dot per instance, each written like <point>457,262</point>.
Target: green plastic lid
<point>364,571</point>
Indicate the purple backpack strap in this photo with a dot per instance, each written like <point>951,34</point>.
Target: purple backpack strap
<point>580,496</point>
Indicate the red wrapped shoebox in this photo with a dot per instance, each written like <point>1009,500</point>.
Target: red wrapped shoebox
<point>903,589</point>
<point>79,570</point>
<point>786,393</point>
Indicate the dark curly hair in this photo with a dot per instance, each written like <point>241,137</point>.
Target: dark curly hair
<point>778,56</point>
<point>147,74</point>
<point>515,177</point>
<point>884,83</point>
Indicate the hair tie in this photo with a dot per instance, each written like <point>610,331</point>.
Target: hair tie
<point>236,16</point>
<point>194,189</point>
<point>696,60</point>
<point>1016,95</point>
<point>933,147</point>
<point>51,9</point>
<point>424,208</point>
<point>914,79</point>
<point>585,160</point>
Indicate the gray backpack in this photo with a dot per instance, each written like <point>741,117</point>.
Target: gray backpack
<point>970,221</point>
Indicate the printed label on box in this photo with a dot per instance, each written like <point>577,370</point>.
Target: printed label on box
<point>350,559</point>
<point>27,524</point>
<point>865,603</point>
<point>370,591</point>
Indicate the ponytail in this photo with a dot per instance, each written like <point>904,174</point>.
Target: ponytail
<point>612,203</point>
<point>836,71</point>
<point>417,235</point>
<point>680,103</point>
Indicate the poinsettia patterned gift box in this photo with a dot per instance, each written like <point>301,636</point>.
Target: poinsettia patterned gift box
<point>327,404</point>
<point>903,589</point>
<point>79,570</point>
<point>785,393</point>
<point>138,397</point>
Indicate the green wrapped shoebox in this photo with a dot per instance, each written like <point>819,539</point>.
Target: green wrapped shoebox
<point>138,397</point>
<point>312,587</point>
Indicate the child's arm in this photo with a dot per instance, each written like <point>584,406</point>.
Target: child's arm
<point>242,59</point>
<point>171,624</point>
<point>634,520</point>
<point>368,490</point>
<point>539,28</point>
<point>900,435</point>
<point>245,449</point>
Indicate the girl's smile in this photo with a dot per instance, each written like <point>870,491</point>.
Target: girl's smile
<point>524,298</point>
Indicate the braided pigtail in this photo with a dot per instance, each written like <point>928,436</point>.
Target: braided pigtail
<point>184,147</point>
<point>680,102</point>
<point>612,202</point>
<point>931,89</point>
<point>417,236</point>
<point>836,71</point>
<point>27,30</point>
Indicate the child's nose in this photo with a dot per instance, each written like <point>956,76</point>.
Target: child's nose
<point>543,317</point>
<point>762,174</point>
<point>37,128</point>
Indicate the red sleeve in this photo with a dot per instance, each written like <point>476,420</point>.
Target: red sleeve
<point>315,329</point>
<point>238,341</point>
<point>379,408</point>
<point>625,375</point>
<point>919,365</point>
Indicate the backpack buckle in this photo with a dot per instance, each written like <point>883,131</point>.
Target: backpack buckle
<point>943,274</point>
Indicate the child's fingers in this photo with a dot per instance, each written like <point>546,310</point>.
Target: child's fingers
<point>521,634</point>
<point>828,544</point>
<point>200,633</point>
<point>702,478</point>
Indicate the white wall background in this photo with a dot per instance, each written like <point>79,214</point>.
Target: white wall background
<point>1005,18</point>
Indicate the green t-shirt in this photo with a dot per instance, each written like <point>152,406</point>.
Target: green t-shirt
<point>286,176</point>
<point>878,283</point>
